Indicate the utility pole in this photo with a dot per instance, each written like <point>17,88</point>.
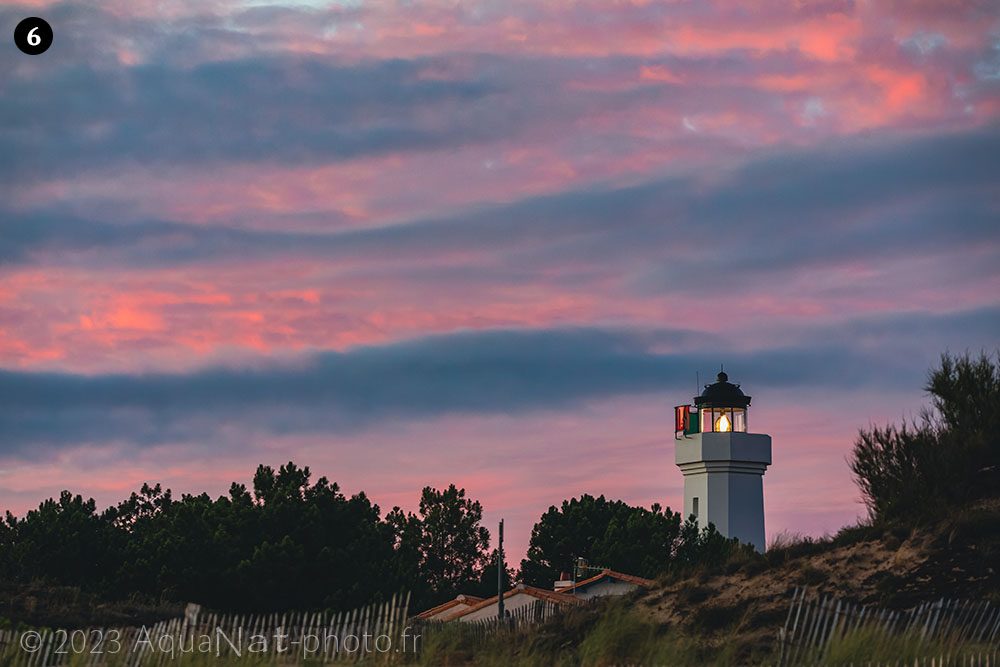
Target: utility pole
<point>500,569</point>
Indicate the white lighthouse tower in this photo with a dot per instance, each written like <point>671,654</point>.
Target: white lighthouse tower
<point>723,465</point>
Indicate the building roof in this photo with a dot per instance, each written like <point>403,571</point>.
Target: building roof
<point>539,593</point>
<point>607,574</point>
<point>461,599</point>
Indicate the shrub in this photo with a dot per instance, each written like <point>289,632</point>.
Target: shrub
<point>812,576</point>
<point>863,531</point>
<point>948,458</point>
<point>713,618</point>
<point>691,593</point>
<point>788,546</point>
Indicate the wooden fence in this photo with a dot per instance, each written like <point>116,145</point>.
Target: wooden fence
<point>814,622</point>
<point>378,632</point>
<point>530,614</point>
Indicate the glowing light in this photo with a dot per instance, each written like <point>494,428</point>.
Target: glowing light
<point>722,424</point>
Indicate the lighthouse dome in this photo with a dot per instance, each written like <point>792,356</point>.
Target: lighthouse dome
<point>722,394</point>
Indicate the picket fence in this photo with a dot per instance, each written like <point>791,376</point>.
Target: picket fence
<point>530,614</point>
<point>377,632</point>
<point>813,622</point>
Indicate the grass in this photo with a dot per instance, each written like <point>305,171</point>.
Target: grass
<point>871,644</point>
<point>616,634</point>
<point>611,632</point>
<point>785,546</point>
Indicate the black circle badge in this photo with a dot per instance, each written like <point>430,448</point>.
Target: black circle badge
<point>33,35</point>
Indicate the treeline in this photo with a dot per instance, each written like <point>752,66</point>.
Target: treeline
<point>290,543</point>
<point>633,540</point>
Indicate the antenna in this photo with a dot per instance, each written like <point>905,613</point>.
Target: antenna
<point>500,569</point>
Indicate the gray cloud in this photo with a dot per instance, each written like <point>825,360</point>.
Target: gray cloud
<point>485,372</point>
<point>224,89</point>
<point>780,213</point>
<point>284,110</point>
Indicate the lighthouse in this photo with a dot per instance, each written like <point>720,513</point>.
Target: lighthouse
<point>723,465</point>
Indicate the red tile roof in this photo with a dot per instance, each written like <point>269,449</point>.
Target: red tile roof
<point>609,574</point>
<point>461,599</point>
<point>540,593</point>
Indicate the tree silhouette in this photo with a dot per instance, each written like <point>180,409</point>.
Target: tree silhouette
<point>947,459</point>
<point>633,540</point>
<point>452,543</point>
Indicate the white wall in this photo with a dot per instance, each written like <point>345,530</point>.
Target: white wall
<point>725,472</point>
<point>516,601</point>
<point>605,587</point>
<point>746,509</point>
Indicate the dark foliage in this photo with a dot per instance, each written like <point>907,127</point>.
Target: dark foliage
<point>947,459</point>
<point>633,540</point>
<point>39,605</point>
<point>487,586</point>
<point>288,544</point>
<point>443,545</point>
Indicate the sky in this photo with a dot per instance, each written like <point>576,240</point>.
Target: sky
<point>489,243</point>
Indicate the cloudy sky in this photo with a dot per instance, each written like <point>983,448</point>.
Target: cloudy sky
<point>487,242</point>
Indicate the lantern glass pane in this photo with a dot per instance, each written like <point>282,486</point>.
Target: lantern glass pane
<point>726,419</point>
<point>740,420</point>
<point>694,422</point>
